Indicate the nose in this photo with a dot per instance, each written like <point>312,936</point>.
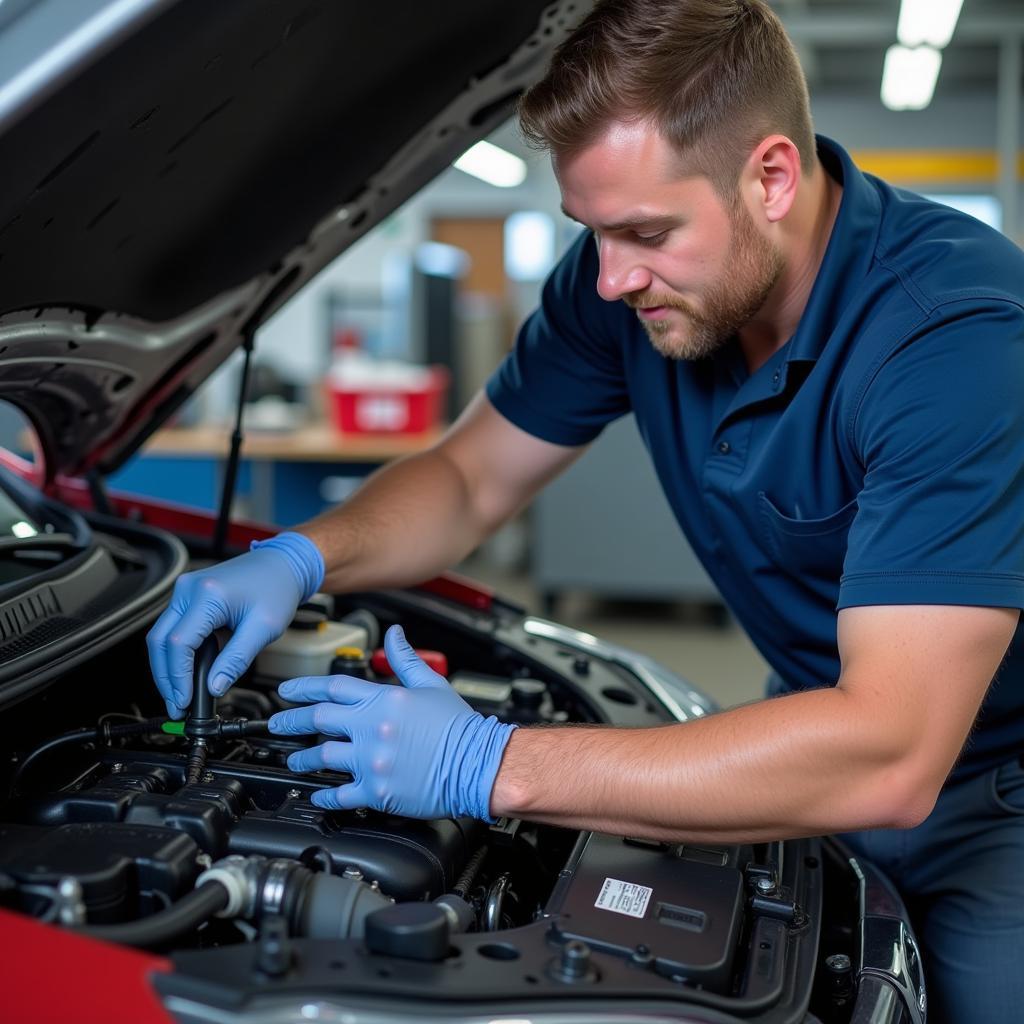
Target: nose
<point>620,273</point>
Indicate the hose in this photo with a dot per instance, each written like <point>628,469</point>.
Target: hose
<point>159,928</point>
<point>202,720</point>
<point>245,727</point>
<point>99,734</point>
<point>147,727</point>
<point>67,740</point>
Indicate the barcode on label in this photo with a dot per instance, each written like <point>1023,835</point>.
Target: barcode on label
<point>623,897</point>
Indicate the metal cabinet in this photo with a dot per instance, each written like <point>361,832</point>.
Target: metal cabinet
<point>606,527</point>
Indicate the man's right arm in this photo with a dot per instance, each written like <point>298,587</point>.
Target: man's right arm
<point>410,521</point>
<point>420,515</point>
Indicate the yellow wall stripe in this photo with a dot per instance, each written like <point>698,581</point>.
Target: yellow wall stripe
<point>949,166</point>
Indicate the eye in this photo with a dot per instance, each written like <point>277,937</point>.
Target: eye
<point>651,240</point>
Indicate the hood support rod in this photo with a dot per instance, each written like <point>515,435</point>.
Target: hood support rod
<point>220,532</point>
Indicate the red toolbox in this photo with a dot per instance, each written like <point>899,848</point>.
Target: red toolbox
<point>411,402</point>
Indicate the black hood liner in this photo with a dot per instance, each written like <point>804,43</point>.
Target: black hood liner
<point>192,156</point>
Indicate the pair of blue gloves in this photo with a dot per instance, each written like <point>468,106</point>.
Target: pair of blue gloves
<point>417,749</point>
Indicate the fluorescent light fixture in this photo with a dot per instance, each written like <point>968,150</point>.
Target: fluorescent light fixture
<point>929,22</point>
<point>440,260</point>
<point>493,165</point>
<point>529,245</point>
<point>908,81</point>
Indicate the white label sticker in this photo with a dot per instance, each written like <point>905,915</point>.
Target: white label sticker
<point>624,897</point>
<point>381,412</point>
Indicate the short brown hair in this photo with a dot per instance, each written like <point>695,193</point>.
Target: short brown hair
<point>714,76</point>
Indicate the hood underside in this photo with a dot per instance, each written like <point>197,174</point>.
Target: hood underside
<point>177,179</point>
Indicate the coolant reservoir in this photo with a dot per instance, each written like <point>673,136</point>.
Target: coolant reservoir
<point>307,647</point>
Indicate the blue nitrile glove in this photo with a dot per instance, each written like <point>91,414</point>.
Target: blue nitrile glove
<point>255,594</point>
<point>417,749</point>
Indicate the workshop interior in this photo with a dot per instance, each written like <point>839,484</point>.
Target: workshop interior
<point>250,252</point>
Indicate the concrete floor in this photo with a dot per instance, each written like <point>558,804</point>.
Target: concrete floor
<point>718,659</point>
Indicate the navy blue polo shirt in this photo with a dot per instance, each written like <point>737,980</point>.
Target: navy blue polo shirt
<point>877,458</point>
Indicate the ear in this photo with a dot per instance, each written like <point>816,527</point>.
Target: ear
<point>772,176</point>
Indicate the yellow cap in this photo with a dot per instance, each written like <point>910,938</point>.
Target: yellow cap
<point>349,652</point>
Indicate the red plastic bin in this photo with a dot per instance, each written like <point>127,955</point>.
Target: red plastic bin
<point>390,410</point>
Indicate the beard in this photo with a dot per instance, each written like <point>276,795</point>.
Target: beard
<point>754,266</point>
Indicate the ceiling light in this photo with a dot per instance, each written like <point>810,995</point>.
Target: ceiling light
<point>493,165</point>
<point>440,260</point>
<point>908,80</point>
<point>529,245</point>
<point>928,21</point>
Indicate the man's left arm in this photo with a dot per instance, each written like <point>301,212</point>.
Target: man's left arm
<point>871,752</point>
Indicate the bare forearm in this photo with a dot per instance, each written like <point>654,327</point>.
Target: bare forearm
<point>805,764</point>
<point>410,521</point>
<point>420,515</point>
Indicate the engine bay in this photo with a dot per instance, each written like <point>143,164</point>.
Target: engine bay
<point>110,829</point>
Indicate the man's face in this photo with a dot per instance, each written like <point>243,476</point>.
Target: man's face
<point>694,267</point>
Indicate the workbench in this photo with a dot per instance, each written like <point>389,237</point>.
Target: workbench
<point>284,477</point>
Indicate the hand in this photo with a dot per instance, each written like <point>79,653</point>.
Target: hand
<point>417,749</point>
<point>255,594</point>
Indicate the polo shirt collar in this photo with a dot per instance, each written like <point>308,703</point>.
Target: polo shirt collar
<point>848,256</point>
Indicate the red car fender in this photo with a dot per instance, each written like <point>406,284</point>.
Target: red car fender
<point>52,976</point>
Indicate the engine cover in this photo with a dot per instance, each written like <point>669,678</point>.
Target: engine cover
<point>248,810</point>
<point>124,870</point>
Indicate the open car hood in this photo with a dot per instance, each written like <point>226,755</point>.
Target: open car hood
<point>174,170</point>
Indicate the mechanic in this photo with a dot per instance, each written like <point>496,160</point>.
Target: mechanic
<point>828,373</point>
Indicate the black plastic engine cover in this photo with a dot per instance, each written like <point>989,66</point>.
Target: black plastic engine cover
<point>125,871</point>
<point>145,795</point>
<point>680,907</point>
<point>248,810</point>
<point>412,860</point>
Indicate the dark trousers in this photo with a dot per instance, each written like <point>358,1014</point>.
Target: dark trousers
<point>961,875</point>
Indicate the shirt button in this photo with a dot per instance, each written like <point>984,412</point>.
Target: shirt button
<point>776,376</point>
<point>724,447</point>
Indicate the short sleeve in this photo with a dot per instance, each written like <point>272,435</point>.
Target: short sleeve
<point>940,433</point>
<point>564,380</point>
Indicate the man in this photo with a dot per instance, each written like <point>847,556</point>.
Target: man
<point>828,375</point>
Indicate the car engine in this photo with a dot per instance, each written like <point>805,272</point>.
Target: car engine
<point>112,827</point>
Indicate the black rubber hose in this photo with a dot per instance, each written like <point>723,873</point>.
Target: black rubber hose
<point>146,727</point>
<point>100,734</point>
<point>204,704</point>
<point>68,739</point>
<point>201,721</point>
<point>245,727</point>
<point>160,928</point>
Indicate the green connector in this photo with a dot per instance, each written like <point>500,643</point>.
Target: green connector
<point>174,728</point>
